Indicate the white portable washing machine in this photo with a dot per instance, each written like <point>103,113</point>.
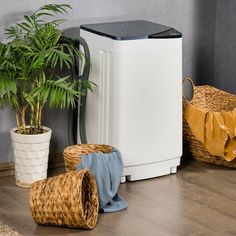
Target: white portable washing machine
<point>137,104</point>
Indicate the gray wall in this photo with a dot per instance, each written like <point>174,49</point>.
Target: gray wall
<point>225,46</point>
<point>194,18</point>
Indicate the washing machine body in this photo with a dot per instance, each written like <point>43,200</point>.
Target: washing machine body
<point>136,105</point>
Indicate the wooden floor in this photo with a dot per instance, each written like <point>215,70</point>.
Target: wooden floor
<point>199,200</point>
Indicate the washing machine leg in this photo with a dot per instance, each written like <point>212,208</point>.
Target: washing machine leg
<point>123,179</point>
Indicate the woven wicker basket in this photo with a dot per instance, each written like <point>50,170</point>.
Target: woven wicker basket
<point>73,154</point>
<point>69,199</point>
<point>212,99</point>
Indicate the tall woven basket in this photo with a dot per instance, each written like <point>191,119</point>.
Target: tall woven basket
<point>73,154</point>
<point>69,199</point>
<point>211,99</point>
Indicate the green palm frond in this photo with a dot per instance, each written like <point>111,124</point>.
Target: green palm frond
<point>13,32</point>
<point>10,100</point>
<point>52,9</point>
<point>60,93</point>
<point>8,91</point>
<point>7,86</point>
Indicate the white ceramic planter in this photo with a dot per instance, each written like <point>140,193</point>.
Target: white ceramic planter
<point>30,156</point>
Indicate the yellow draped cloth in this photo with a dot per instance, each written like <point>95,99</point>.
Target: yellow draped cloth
<point>216,130</point>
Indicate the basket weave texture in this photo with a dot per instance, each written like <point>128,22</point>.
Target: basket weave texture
<point>73,154</point>
<point>69,199</point>
<point>211,99</point>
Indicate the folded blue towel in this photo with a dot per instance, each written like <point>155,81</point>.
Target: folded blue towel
<point>107,169</point>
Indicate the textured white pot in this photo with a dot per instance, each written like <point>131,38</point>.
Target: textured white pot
<point>30,156</point>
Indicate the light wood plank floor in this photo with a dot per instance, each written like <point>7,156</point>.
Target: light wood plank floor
<point>199,200</point>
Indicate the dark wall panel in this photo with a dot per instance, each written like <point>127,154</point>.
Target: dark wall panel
<point>225,46</point>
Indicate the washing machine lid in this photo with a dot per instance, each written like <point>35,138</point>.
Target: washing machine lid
<point>128,30</point>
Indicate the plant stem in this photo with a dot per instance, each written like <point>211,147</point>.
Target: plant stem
<point>17,121</point>
<point>23,118</point>
<point>40,115</point>
<point>37,115</point>
<point>31,117</point>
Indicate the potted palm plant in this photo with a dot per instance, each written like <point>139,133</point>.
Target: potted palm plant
<point>29,63</point>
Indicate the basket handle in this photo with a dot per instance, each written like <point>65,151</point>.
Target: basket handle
<point>192,85</point>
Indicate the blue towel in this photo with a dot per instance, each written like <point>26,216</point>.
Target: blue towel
<point>107,169</point>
